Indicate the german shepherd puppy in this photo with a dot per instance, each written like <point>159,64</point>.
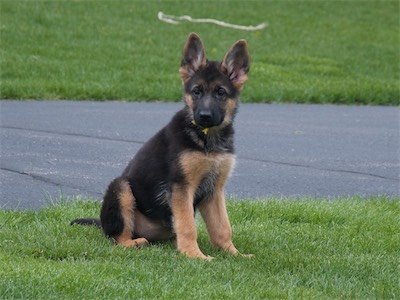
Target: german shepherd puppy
<point>184,167</point>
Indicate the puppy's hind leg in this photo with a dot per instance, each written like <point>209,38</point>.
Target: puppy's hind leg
<point>118,214</point>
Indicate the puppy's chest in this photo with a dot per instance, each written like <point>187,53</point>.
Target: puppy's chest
<point>206,185</point>
<point>206,172</point>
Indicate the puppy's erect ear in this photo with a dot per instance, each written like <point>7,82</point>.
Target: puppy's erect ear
<point>193,57</point>
<point>236,64</point>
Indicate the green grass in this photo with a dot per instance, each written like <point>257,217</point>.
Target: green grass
<point>312,51</point>
<point>313,249</point>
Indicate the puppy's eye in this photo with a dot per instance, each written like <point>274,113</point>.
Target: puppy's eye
<point>221,92</point>
<point>196,92</point>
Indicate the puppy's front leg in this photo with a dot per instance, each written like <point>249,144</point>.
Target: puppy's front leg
<point>184,222</point>
<point>217,222</point>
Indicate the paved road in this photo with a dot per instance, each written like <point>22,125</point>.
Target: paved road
<point>73,148</point>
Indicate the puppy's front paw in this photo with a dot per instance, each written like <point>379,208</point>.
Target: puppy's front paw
<point>197,254</point>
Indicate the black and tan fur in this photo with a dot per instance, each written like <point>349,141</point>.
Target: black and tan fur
<point>184,167</point>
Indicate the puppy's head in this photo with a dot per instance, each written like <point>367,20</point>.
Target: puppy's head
<point>212,88</point>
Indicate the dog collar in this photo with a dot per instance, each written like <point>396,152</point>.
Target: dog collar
<point>203,130</point>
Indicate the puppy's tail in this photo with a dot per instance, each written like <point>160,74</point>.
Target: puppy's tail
<point>87,221</point>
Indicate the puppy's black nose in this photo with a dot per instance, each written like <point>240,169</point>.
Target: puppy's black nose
<point>205,115</point>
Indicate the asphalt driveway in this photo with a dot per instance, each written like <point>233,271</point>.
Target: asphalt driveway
<point>68,148</point>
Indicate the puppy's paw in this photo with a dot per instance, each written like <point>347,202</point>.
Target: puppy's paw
<point>136,243</point>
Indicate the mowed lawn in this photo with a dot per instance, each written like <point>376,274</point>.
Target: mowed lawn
<point>304,249</point>
<point>312,51</point>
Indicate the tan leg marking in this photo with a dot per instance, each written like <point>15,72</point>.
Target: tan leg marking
<point>217,222</point>
<point>214,211</point>
<point>219,229</point>
<point>127,206</point>
<point>184,223</point>
<point>215,215</point>
<point>194,169</point>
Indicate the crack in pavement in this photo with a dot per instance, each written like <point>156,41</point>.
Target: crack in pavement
<point>321,169</point>
<point>74,134</point>
<point>48,181</point>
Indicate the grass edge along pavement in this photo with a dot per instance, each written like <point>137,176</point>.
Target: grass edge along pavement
<point>343,52</point>
<point>307,248</point>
